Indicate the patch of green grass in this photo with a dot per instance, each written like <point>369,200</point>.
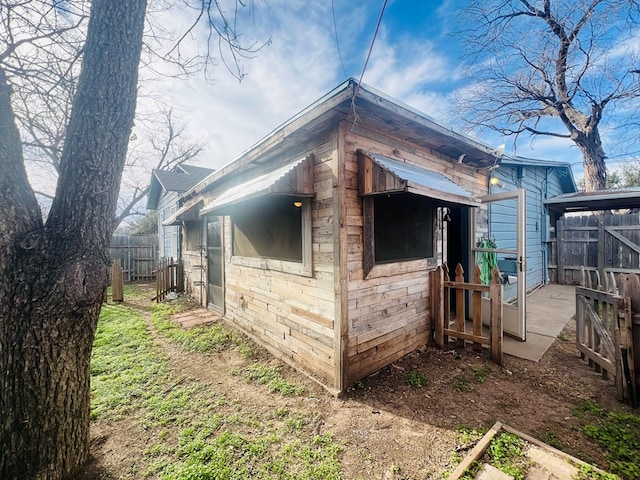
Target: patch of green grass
<point>193,431</point>
<point>564,337</point>
<point>507,454</point>
<point>588,408</point>
<point>468,435</point>
<point>270,376</point>
<point>461,383</point>
<point>229,455</point>
<point>125,362</point>
<point>587,472</point>
<point>205,340</point>
<point>619,434</point>
<point>550,438</point>
<point>480,374</point>
<point>417,379</point>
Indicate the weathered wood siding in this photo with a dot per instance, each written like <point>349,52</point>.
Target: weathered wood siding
<point>168,236</point>
<point>539,183</point>
<point>194,261</point>
<point>388,311</point>
<point>293,315</point>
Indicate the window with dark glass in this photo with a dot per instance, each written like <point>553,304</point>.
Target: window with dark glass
<point>269,227</point>
<point>402,227</point>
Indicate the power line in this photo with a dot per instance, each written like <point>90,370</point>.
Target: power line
<point>335,30</point>
<point>364,68</point>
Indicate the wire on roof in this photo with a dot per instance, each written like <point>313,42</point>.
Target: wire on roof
<point>364,68</point>
<point>335,31</point>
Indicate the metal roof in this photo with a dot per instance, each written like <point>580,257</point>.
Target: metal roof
<point>256,187</point>
<point>612,199</point>
<point>429,183</point>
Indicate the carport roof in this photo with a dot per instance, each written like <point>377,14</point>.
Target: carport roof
<point>612,199</point>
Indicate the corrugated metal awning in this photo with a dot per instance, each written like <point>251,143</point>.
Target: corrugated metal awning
<point>380,174</point>
<point>295,179</point>
<point>188,212</point>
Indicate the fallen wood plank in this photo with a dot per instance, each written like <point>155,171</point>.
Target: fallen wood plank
<point>476,452</point>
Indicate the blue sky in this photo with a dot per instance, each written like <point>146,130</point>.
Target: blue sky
<point>414,59</point>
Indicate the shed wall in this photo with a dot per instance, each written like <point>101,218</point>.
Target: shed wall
<point>389,311</point>
<point>293,315</point>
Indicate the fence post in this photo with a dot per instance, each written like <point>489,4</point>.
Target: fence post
<point>117,287</point>
<point>560,250</point>
<point>476,302</point>
<point>460,310</point>
<point>496,316</point>
<point>631,288</point>
<point>438,306</point>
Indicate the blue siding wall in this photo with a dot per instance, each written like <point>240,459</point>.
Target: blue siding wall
<point>539,183</point>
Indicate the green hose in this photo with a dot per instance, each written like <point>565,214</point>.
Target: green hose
<point>486,260</point>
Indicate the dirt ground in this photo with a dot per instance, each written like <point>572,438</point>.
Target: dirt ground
<point>391,426</point>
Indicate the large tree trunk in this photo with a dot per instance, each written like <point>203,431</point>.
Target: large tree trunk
<point>593,160</point>
<point>52,275</point>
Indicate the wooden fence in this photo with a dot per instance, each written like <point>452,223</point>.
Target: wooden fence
<point>608,332</point>
<point>445,327</point>
<point>136,254</point>
<point>169,278</point>
<point>601,242</point>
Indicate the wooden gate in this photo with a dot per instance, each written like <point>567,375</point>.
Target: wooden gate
<point>604,335</point>
<point>169,278</point>
<point>445,326</point>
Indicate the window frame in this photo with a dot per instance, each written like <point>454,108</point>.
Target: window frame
<point>302,268</point>
<point>392,267</point>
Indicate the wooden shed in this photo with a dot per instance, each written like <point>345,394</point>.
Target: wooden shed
<point>318,241</point>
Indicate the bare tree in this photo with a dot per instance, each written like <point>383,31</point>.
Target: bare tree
<point>53,272</point>
<point>554,68</point>
<point>167,145</point>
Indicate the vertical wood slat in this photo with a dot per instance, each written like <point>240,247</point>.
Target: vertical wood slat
<point>438,306</point>
<point>443,327</point>
<point>630,333</point>
<point>117,282</point>
<point>496,316</point>
<point>476,302</point>
<point>447,302</point>
<point>603,332</point>
<point>561,251</point>
<point>169,278</point>
<point>461,314</point>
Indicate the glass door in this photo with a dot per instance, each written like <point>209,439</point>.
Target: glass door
<point>215,264</point>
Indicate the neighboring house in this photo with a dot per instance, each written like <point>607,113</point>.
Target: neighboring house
<point>541,180</point>
<point>319,239</point>
<point>164,193</point>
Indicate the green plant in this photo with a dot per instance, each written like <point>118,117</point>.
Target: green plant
<point>507,454</point>
<point>589,408</point>
<point>265,375</point>
<point>619,434</point>
<point>480,374</point>
<point>417,379</point>
<point>461,383</point>
<point>564,337</point>
<point>551,438</point>
<point>587,472</point>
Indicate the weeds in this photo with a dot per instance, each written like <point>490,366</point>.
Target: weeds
<point>193,431</point>
<point>417,379</point>
<point>270,376</point>
<point>205,340</point>
<point>619,434</point>
<point>461,383</point>
<point>507,454</point>
<point>480,374</point>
